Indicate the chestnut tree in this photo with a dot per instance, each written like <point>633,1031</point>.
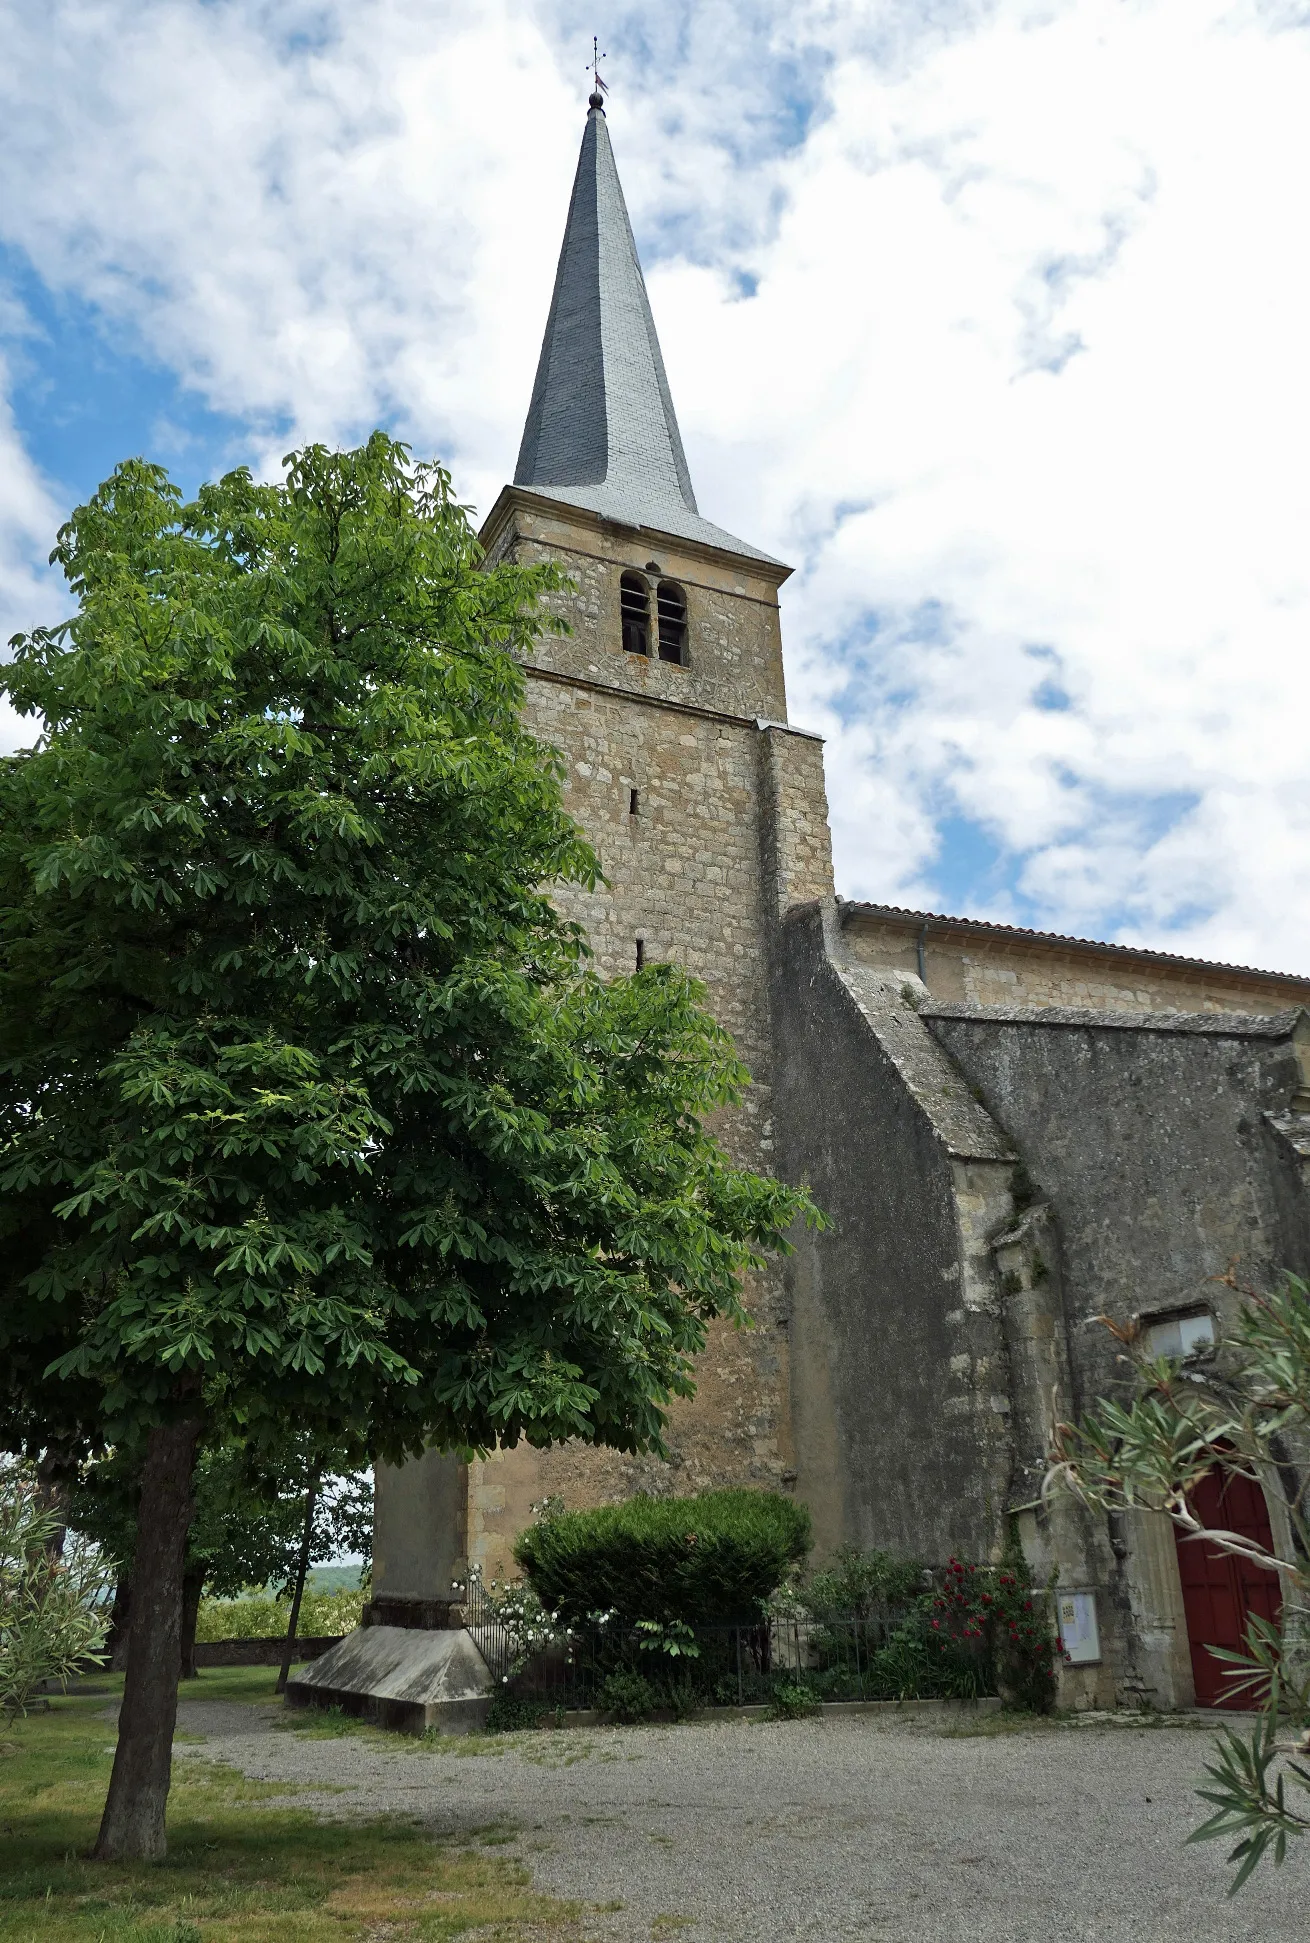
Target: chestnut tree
<point>313,1109</point>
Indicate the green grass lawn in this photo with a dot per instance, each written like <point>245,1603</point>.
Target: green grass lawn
<point>237,1871</point>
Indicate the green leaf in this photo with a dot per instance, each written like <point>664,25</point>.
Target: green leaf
<point>309,1096</point>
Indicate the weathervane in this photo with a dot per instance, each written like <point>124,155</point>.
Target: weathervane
<point>599,88</point>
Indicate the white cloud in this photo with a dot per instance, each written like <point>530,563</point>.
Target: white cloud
<point>29,591</point>
<point>1035,311</point>
<point>1021,387</point>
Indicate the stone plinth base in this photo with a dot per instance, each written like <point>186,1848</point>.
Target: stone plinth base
<point>401,1678</point>
<point>423,1615</point>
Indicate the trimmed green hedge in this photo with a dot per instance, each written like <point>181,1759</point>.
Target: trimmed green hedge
<point>708,1561</point>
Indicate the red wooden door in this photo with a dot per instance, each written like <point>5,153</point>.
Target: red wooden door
<point>1219,1591</point>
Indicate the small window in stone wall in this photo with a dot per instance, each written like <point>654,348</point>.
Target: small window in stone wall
<point>671,606</point>
<point>634,610</point>
<point>1179,1336</point>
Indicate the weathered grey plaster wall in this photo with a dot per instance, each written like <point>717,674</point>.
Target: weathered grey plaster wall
<point>1147,1137</point>
<point>1157,1152</point>
<point>899,1390</point>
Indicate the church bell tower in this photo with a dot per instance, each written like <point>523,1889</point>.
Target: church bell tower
<point>667,702</point>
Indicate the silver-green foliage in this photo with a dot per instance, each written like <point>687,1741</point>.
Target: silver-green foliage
<point>1243,1409</point>
<point>54,1609</point>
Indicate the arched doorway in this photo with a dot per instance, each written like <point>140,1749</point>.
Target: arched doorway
<point>1219,1591</point>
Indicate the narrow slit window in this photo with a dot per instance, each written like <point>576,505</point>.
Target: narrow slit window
<point>671,604</point>
<point>634,610</point>
<point>641,953</point>
<point>632,802</point>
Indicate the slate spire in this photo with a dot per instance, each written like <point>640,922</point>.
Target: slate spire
<point>601,430</point>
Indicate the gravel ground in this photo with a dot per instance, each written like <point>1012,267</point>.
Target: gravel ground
<point>752,1831</point>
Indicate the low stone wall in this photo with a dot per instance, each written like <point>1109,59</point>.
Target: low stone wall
<point>259,1652</point>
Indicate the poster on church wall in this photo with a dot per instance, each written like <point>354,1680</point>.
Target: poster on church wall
<point>1080,1638</point>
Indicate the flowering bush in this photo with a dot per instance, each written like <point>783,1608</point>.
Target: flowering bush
<point>977,1629</point>
<point>527,1625</point>
<point>994,1616</point>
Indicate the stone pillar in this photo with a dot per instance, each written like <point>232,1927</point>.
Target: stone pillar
<point>420,1522</point>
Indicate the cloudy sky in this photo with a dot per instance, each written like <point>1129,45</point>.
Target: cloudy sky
<point>992,317</point>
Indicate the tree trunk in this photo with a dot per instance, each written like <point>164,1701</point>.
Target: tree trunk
<point>52,1495</point>
<point>120,1619</point>
<point>193,1584</point>
<point>132,1828</point>
<point>307,1537</point>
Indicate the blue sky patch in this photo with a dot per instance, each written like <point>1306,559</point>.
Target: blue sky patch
<point>83,398</point>
<point>974,875</point>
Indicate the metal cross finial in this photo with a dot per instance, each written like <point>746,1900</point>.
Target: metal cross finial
<point>599,88</point>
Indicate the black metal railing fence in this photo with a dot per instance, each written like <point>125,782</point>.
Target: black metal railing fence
<point>838,1657</point>
<point>485,1627</point>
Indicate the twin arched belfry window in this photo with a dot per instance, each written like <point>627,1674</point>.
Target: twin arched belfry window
<point>670,617</point>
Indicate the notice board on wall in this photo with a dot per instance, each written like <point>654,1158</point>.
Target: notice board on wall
<point>1080,1638</point>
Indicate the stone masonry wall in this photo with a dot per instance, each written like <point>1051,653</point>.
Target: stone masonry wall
<point>703,820</point>
<point>973,964</point>
<point>797,841</point>
<point>734,659</point>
